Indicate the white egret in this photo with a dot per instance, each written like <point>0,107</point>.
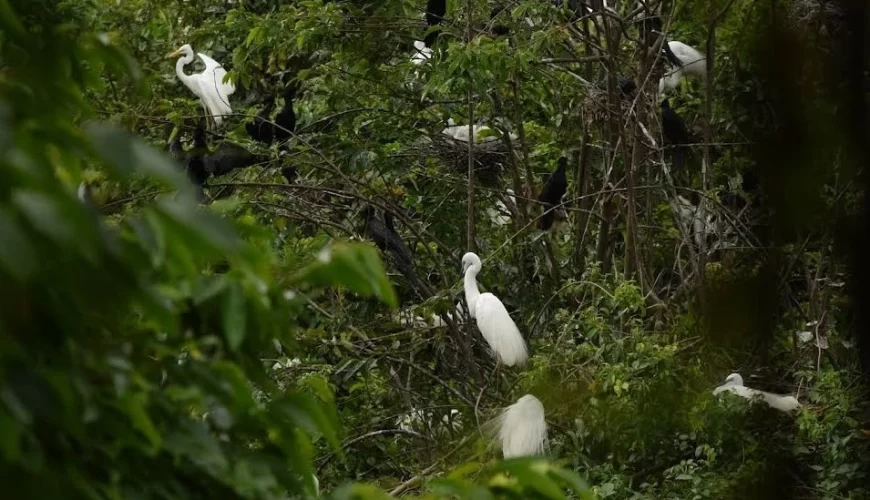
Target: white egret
<point>464,132</point>
<point>83,193</point>
<point>692,63</point>
<point>522,429</point>
<point>500,215</point>
<point>422,52</point>
<point>670,81</point>
<point>734,384</point>
<point>416,419</point>
<point>493,320</point>
<point>209,85</point>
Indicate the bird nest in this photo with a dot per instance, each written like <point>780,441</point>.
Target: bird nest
<point>490,158</point>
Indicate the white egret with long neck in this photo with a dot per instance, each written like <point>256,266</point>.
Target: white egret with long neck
<point>692,63</point>
<point>734,384</point>
<point>493,320</point>
<point>209,85</point>
<point>522,429</point>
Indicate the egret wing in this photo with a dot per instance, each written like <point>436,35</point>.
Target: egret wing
<point>500,331</point>
<point>215,105</point>
<point>522,428</point>
<point>693,61</point>
<point>218,73</point>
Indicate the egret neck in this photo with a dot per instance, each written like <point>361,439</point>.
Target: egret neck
<point>471,290</point>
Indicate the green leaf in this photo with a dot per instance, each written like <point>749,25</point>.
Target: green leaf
<point>201,223</point>
<point>135,409</point>
<point>44,213</point>
<point>355,266</point>
<point>359,491</point>
<point>234,316</point>
<point>125,154</point>
<point>16,253</point>
<point>192,440</point>
<point>531,472</point>
<point>574,481</point>
<point>306,413</point>
<point>9,21</point>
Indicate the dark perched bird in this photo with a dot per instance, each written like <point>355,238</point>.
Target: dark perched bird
<point>675,132</point>
<point>285,120</point>
<point>498,29</point>
<point>228,157</point>
<point>195,166</point>
<point>551,195</point>
<point>673,126</point>
<point>384,234</point>
<point>193,159</point>
<point>435,10</point>
<point>650,29</point>
<point>626,86</point>
<point>261,128</point>
<point>290,174</point>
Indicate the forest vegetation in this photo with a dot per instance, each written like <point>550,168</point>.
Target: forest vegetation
<point>667,197</point>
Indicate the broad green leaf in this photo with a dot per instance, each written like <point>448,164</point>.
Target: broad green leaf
<point>529,475</point>
<point>45,215</point>
<point>234,316</point>
<point>134,407</point>
<point>9,21</point>
<point>192,440</point>
<point>309,415</point>
<point>202,223</point>
<point>355,266</point>
<point>574,481</point>
<point>16,253</point>
<point>359,491</point>
<point>125,154</point>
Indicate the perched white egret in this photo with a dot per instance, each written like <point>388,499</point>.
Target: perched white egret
<point>670,81</point>
<point>500,215</point>
<point>209,85</point>
<point>493,320</point>
<point>734,384</point>
<point>409,319</point>
<point>522,429</point>
<point>416,419</point>
<point>694,63</point>
<point>422,53</point>
<point>84,192</point>
<point>464,132</point>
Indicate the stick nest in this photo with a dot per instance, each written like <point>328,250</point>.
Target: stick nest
<point>491,158</point>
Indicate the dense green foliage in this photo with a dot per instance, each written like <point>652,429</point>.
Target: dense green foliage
<point>155,347</point>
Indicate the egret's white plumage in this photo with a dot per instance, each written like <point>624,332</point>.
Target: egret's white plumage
<point>464,132</point>
<point>416,419</point>
<point>422,52</point>
<point>522,429</point>
<point>694,63</point>
<point>670,81</point>
<point>501,215</point>
<point>734,384</point>
<point>82,192</point>
<point>493,320</point>
<point>409,319</point>
<point>209,85</point>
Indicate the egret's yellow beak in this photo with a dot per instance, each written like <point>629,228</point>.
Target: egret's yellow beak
<point>173,54</point>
